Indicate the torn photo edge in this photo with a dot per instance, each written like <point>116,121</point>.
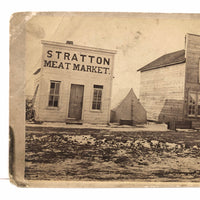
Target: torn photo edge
<point>17,112</point>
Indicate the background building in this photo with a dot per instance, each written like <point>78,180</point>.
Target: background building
<point>170,86</point>
<point>73,84</point>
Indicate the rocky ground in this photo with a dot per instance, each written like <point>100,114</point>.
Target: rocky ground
<point>55,153</point>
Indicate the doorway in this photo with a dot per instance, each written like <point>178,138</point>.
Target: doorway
<point>76,101</point>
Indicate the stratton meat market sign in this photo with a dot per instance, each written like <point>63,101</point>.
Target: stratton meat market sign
<point>76,61</point>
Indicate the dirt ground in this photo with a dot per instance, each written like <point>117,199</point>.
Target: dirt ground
<point>135,154</point>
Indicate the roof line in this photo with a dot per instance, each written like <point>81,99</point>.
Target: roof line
<point>193,34</point>
<point>78,46</point>
<point>37,71</point>
<point>172,58</point>
<point>169,64</point>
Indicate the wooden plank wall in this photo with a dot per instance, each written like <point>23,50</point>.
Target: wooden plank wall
<point>162,92</point>
<point>192,68</point>
<point>68,77</point>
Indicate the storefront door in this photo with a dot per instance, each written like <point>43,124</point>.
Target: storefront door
<point>76,101</point>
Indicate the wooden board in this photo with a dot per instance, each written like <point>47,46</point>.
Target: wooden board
<point>76,101</point>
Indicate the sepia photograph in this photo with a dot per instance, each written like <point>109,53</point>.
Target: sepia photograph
<point>104,99</point>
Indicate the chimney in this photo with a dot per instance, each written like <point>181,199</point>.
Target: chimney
<point>69,42</point>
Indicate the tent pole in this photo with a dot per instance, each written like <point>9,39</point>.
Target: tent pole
<point>132,112</point>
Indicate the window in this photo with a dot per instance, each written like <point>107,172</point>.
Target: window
<point>194,104</point>
<point>97,97</point>
<point>54,93</point>
<point>198,104</point>
<point>199,70</point>
<point>191,104</point>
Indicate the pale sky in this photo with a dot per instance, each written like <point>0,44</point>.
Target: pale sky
<point>138,39</point>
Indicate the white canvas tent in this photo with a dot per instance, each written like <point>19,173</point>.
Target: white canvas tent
<point>129,111</point>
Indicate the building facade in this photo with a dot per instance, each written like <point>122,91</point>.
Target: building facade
<point>73,84</point>
<point>170,86</point>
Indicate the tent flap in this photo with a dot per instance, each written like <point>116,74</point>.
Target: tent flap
<point>129,111</point>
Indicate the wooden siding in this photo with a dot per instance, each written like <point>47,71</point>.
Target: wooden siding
<point>192,68</point>
<point>37,79</point>
<point>68,77</point>
<point>61,113</point>
<point>162,93</point>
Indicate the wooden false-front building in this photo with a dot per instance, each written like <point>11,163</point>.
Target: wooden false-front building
<point>73,84</point>
<point>170,86</point>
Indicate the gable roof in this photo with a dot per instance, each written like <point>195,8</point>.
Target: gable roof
<point>173,58</point>
<point>37,71</point>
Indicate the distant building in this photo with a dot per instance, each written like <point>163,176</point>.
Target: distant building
<point>129,111</point>
<point>73,84</point>
<point>170,86</point>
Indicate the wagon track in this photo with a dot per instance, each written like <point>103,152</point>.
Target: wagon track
<point>101,154</point>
